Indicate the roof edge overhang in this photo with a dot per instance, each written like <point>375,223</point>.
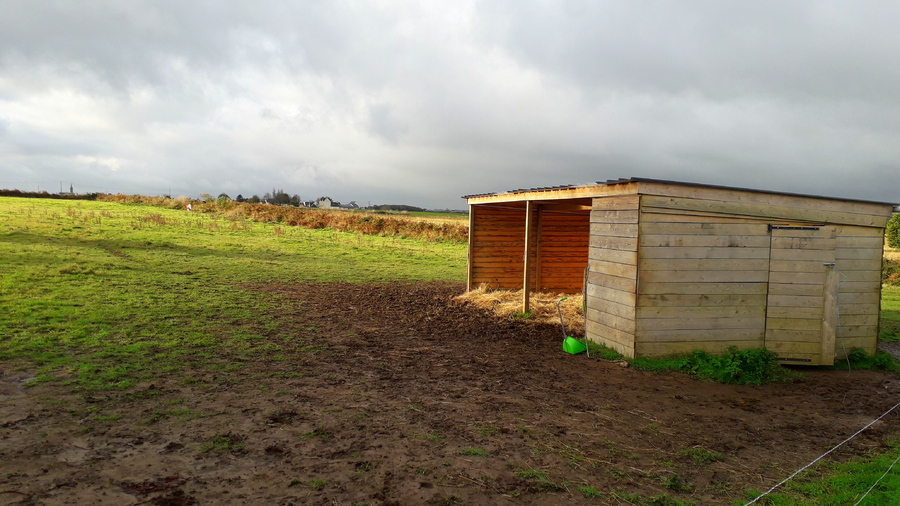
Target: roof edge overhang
<point>624,186</point>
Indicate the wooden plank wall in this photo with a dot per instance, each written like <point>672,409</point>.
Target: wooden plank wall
<point>563,240</point>
<point>612,280</point>
<point>703,280</point>
<point>496,247</point>
<point>858,255</point>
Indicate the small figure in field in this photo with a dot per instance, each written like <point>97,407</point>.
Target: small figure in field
<point>189,207</point>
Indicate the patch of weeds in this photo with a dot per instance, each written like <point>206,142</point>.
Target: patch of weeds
<point>474,452</point>
<point>224,443</point>
<point>543,482</point>
<point>319,432</point>
<point>522,315</point>
<point>589,492</point>
<point>859,359</point>
<point>606,353</point>
<point>572,455</point>
<point>486,430</point>
<point>107,418</point>
<point>701,455</point>
<point>676,483</point>
<point>753,366</point>
<point>433,436</point>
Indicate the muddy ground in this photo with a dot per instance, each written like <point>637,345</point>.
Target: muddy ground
<point>409,398</point>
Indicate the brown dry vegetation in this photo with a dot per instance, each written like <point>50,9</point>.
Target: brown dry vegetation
<point>368,223</point>
<point>508,304</point>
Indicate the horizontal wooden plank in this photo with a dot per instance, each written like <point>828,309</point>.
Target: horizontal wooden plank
<point>803,243</point>
<point>800,278</point>
<point>613,255</point>
<point>765,210</point>
<point>845,310</point>
<point>791,348</point>
<point>857,331</point>
<point>700,312</point>
<point>718,241</point>
<point>614,230</point>
<point>700,323</point>
<point>612,321</point>
<point>872,298</point>
<point>797,300</point>
<point>623,202</point>
<point>703,264</point>
<point>861,277</point>
<point>701,300</point>
<point>604,295</point>
<point>658,215</point>
<point>793,324</point>
<point>859,242</point>
<point>797,266</point>
<point>718,229</point>
<point>695,336</point>
<point>802,336</point>
<point>617,283</point>
<point>610,306</point>
<point>614,216</point>
<point>853,319</point>
<point>657,349</point>
<point>616,243</point>
<point>874,254</point>
<point>808,255</point>
<point>858,265</point>
<point>811,290</point>
<point>613,269</point>
<point>852,231</point>
<point>599,332</point>
<point>663,288</point>
<point>735,276</point>
<point>858,287</point>
<point>811,313</point>
<point>704,252</point>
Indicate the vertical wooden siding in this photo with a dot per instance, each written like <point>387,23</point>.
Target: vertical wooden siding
<point>610,316</point>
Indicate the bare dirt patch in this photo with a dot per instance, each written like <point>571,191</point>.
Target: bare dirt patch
<point>408,398</point>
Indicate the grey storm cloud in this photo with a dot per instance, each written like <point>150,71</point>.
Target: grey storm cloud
<point>421,102</point>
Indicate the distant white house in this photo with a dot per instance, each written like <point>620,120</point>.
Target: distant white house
<point>325,203</point>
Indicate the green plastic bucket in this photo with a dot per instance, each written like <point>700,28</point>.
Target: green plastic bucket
<point>573,346</point>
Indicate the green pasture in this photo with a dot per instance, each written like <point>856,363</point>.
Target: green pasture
<point>103,295</point>
<point>890,313</point>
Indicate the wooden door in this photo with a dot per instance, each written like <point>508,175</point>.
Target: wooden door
<point>801,308</point>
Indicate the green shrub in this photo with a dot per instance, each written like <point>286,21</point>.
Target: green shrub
<point>753,366</point>
<point>859,359</point>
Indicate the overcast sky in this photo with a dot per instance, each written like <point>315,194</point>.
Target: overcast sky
<point>422,102</point>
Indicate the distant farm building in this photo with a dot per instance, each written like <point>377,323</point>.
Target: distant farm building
<point>669,267</point>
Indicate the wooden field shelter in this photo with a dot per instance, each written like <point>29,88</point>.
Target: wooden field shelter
<point>668,268</point>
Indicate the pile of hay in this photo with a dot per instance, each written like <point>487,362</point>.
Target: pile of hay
<point>506,303</point>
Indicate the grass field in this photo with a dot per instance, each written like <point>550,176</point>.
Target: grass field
<point>103,294</point>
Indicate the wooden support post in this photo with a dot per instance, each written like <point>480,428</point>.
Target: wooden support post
<point>830,315</point>
<point>526,281</point>
<point>538,226</point>
<point>470,253</point>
